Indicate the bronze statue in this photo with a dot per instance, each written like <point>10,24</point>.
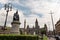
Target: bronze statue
<point>16,16</point>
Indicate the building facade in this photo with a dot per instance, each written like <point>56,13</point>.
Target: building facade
<point>34,30</point>
<point>57,27</point>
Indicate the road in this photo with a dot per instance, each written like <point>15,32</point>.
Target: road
<point>51,38</point>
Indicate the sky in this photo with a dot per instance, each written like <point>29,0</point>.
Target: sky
<point>32,10</point>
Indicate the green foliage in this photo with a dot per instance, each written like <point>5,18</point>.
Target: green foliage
<point>45,26</point>
<point>18,37</point>
<point>43,31</point>
<point>45,37</point>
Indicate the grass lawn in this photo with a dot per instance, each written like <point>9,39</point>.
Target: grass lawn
<point>45,37</point>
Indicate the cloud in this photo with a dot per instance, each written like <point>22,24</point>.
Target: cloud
<point>3,1</point>
<point>10,16</point>
<point>32,9</point>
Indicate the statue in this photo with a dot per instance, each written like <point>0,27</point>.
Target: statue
<point>16,16</point>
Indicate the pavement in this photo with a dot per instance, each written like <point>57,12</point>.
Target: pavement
<point>51,38</point>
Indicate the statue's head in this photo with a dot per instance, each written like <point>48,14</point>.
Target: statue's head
<point>17,12</point>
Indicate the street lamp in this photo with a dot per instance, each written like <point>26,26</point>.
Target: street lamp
<point>8,7</point>
<point>52,22</point>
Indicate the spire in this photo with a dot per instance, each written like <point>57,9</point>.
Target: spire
<point>36,20</point>
<point>24,23</point>
<point>24,26</point>
<point>27,26</point>
<point>36,24</point>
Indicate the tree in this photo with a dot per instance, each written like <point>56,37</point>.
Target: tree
<point>43,31</point>
<point>45,28</point>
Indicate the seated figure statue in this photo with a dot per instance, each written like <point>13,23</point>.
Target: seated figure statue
<point>16,16</point>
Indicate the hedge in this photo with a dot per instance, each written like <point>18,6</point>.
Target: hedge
<point>16,37</point>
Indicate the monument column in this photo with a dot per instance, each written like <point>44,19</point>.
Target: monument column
<point>15,24</point>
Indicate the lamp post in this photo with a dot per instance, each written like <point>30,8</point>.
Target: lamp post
<point>8,7</point>
<point>52,23</point>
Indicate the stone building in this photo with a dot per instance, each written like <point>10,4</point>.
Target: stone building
<point>34,30</point>
<point>57,27</point>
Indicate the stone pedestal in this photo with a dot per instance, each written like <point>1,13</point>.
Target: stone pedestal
<point>15,27</point>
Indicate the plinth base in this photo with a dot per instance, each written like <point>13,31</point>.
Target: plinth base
<point>15,27</point>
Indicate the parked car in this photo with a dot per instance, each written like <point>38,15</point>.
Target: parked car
<point>57,37</point>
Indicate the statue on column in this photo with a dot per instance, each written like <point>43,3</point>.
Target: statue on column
<point>16,16</point>
<point>15,24</point>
